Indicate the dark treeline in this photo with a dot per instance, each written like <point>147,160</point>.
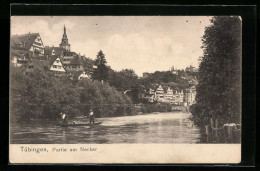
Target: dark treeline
<point>219,89</point>
<point>41,95</point>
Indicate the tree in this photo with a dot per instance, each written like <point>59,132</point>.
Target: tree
<point>100,72</point>
<point>219,89</point>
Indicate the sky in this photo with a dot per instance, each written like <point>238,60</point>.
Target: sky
<point>141,43</point>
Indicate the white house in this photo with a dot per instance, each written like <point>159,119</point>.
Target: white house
<point>57,65</point>
<point>84,75</point>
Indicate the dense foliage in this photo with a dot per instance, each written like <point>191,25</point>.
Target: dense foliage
<point>100,71</point>
<point>219,88</point>
<point>41,95</point>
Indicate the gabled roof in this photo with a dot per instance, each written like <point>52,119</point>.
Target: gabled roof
<point>25,39</point>
<point>53,58</point>
<point>58,50</point>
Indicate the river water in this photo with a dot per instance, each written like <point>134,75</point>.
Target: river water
<point>151,128</point>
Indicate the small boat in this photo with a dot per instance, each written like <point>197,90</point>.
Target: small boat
<point>87,124</point>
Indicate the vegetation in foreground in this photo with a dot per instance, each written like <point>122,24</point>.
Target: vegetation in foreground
<point>219,89</point>
<point>40,95</point>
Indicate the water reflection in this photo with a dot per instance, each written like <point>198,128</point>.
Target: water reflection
<point>152,128</point>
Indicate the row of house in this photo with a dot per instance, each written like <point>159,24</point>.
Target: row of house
<point>182,98</point>
<point>28,47</point>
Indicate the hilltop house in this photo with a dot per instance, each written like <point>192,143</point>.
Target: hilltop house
<point>53,51</point>
<point>69,62</point>
<point>19,57</point>
<point>57,66</point>
<point>75,64</point>
<point>31,42</point>
<point>84,75</point>
<point>67,57</point>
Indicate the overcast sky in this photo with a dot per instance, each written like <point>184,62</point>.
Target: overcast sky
<point>144,44</point>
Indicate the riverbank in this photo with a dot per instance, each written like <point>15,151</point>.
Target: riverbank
<point>159,107</point>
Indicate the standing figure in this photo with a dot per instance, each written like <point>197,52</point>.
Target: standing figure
<point>91,116</point>
<point>64,118</point>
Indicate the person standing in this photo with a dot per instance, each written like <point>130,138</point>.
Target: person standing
<point>64,118</point>
<point>91,116</point>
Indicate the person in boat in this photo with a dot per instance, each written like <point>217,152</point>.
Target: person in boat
<point>64,118</point>
<point>91,116</point>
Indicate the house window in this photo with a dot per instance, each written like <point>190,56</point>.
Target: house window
<point>30,67</point>
<point>54,66</point>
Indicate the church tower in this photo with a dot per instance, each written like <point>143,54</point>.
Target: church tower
<point>64,41</point>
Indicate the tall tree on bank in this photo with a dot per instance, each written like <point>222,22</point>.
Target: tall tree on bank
<point>100,71</point>
<point>219,89</point>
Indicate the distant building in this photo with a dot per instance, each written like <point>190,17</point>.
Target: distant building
<point>168,96</point>
<point>64,41</point>
<point>19,58</point>
<point>71,63</point>
<point>191,69</point>
<point>68,57</point>
<point>31,42</point>
<point>149,95</point>
<point>159,94</point>
<point>176,72</point>
<point>53,51</point>
<point>62,50</point>
<point>84,75</point>
<point>190,96</point>
<point>57,65</point>
<point>75,64</point>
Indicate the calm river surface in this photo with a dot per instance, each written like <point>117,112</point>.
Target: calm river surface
<point>151,128</point>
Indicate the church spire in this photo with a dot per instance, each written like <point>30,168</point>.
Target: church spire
<point>64,33</point>
<point>64,29</point>
<point>64,41</point>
